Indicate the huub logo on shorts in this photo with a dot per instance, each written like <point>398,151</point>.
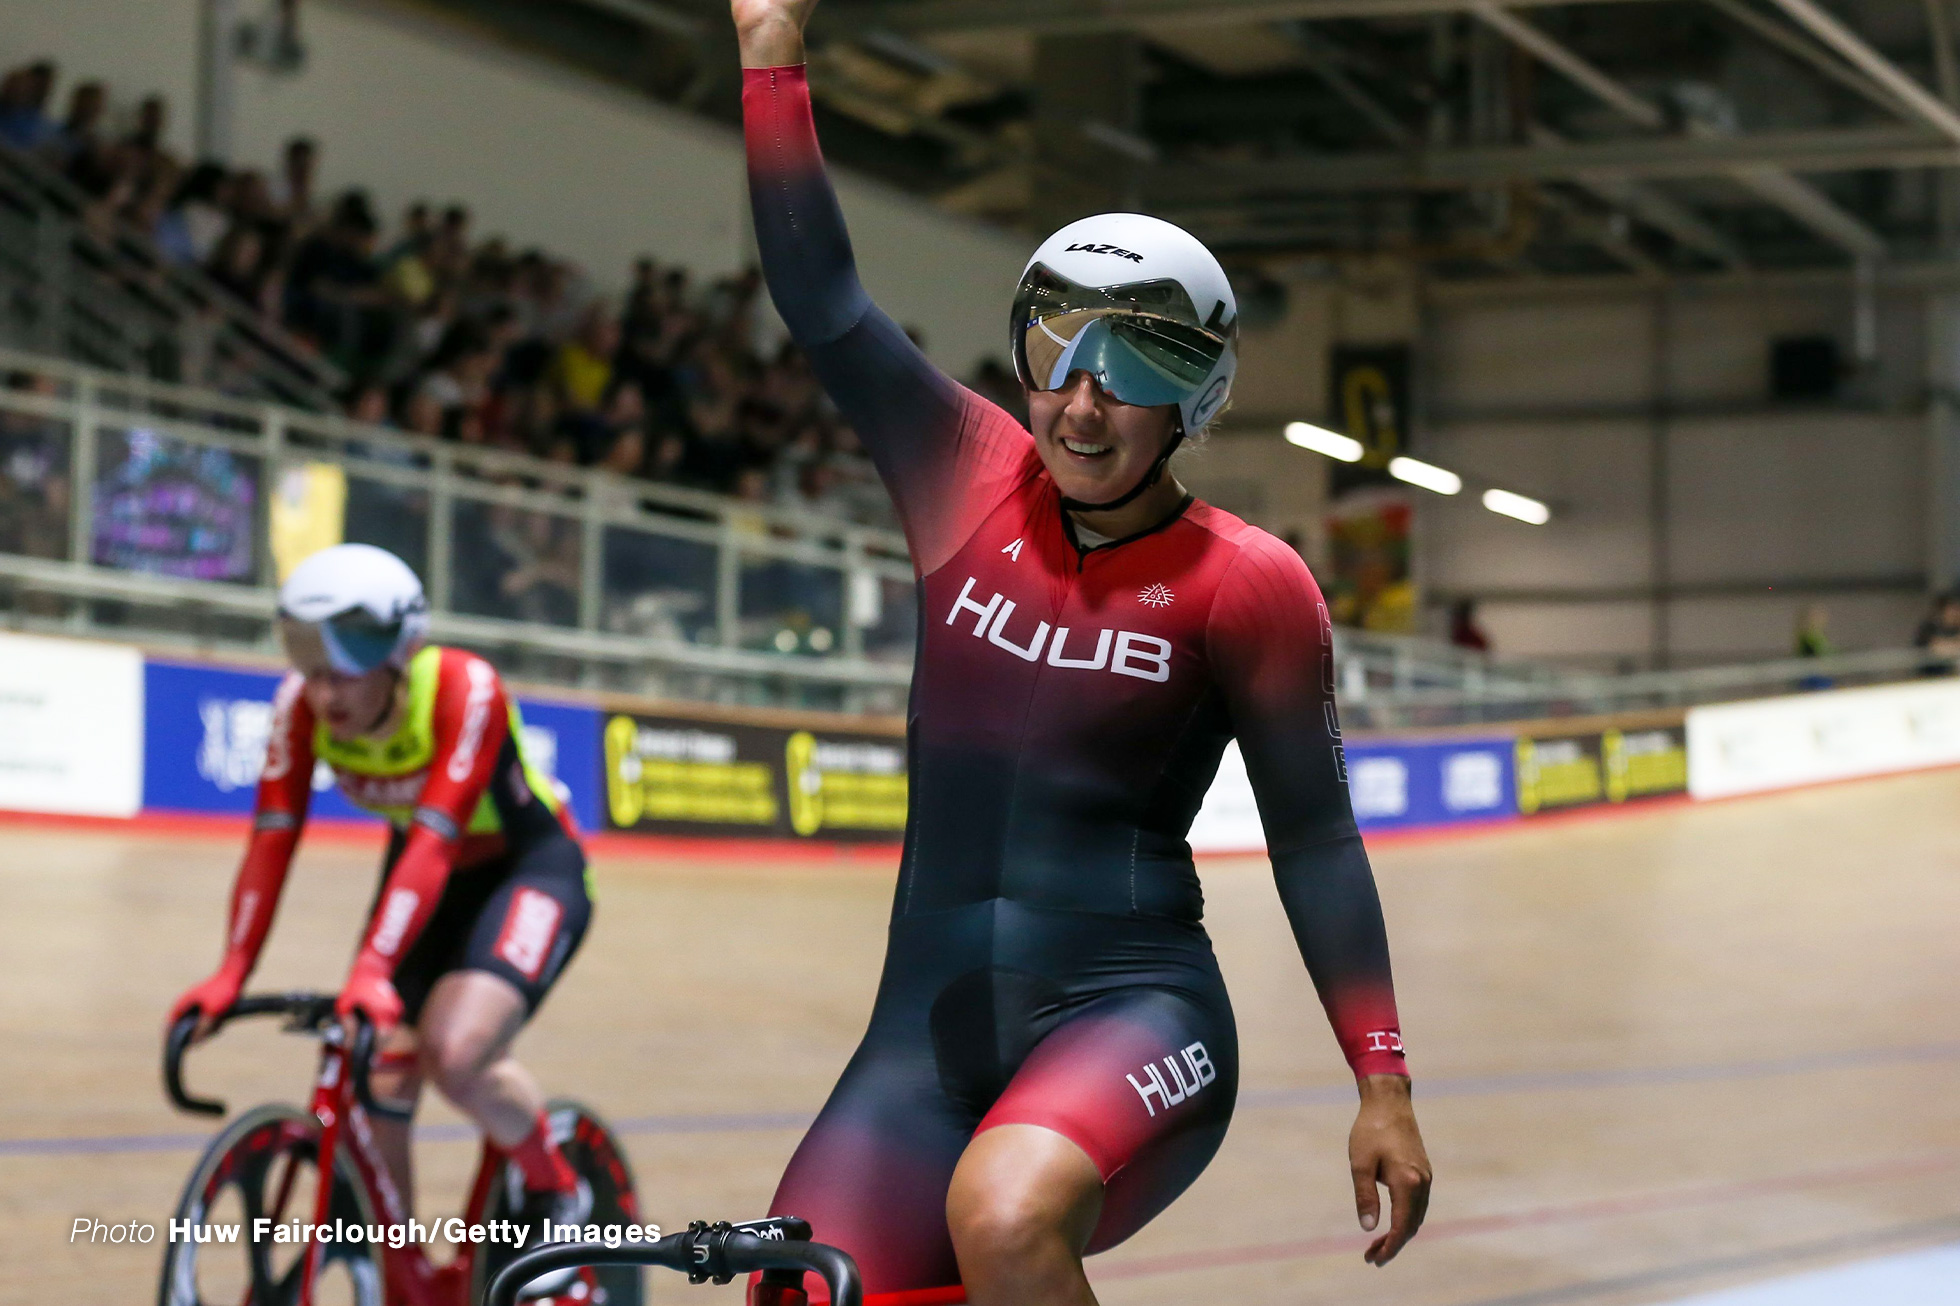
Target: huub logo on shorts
<point>1194,1061</point>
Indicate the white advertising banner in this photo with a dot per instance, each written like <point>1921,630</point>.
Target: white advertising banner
<point>71,727</point>
<point>1775,743</point>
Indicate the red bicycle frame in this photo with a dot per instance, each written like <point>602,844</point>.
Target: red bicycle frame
<point>411,1279</point>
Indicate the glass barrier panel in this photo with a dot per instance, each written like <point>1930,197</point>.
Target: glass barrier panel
<point>790,607</point>
<point>514,563</point>
<point>391,517</point>
<point>657,587</point>
<point>36,485</point>
<point>893,636</point>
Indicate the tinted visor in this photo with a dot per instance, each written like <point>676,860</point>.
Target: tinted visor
<point>1143,343</point>
<point>351,644</point>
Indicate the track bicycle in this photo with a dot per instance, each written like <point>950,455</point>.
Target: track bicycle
<point>269,1164</point>
<point>779,1249</point>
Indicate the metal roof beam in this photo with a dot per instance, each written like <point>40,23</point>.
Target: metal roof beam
<point>1794,196</point>
<point>1826,28</point>
<point>1047,17</point>
<point>1829,150</point>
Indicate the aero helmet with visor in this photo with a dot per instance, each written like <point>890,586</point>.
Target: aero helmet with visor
<point>351,609</point>
<point>1141,306</point>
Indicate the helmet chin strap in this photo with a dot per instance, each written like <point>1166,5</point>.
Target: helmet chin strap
<point>1150,478</point>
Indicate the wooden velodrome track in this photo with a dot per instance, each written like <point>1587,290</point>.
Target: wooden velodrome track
<point>1655,1052</point>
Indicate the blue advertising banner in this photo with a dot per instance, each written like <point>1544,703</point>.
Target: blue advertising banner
<point>1447,782</point>
<point>206,729</point>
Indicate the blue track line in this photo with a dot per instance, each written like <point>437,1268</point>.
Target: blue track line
<point>1254,1099</point>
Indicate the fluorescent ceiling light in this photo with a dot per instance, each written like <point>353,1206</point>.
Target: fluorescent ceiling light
<point>1517,505</point>
<point>1427,475</point>
<point>1333,445</point>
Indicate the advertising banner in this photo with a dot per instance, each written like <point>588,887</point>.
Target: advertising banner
<point>1393,785</point>
<point>674,776</point>
<point>1774,743</point>
<point>1559,772</point>
<point>71,727</point>
<point>206,731</point>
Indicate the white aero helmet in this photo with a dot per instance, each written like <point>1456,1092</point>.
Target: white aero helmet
<point>352,608</point>
<point>1139,304</point>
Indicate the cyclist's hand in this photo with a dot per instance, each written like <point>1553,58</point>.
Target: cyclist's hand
<point>211,1000</point>
<point>771,31</point>
<point>372,994</point>
<point>1386,1148</point>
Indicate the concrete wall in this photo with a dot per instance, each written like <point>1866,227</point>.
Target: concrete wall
<point>1694,517</point>
<point>411,106</point>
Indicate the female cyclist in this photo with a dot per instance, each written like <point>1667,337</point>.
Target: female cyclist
<point>1051,1059</point>
<point>483,894</point>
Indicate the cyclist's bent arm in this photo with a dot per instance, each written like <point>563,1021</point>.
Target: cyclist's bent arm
<point>471,717</point>
<point>1272,644</point>
<point>945,454</point>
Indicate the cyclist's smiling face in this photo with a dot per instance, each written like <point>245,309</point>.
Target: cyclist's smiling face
<point>1096,448</point>
<point>352,706</point>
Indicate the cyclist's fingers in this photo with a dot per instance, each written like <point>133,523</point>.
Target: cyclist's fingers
<point>1408,1190</point>
<point>1367,1201</point>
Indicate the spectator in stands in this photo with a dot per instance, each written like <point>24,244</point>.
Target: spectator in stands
<point>456,384</point>
<point>1813,632</point>
<point>145,156</point>
<point>79,132</point>
<point>583,367</point>
<point>1939,634</point>
<point>1465,631</point>
<point>1813,641</point>
<point>188,231</point>
<point>292,191</point>
<point>24,122</point>
<point>238,264</point>
<point>334,293</point>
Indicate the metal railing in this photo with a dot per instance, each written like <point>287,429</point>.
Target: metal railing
<point>79,283</point>
<point>1569,694</point>
<point>151,512</point>
<point>154,512</point>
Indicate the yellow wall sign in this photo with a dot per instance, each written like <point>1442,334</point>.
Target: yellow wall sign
<point>690,777</point>
<point>1611,767</point>
<point>674,773</point>
<point>855,785</point>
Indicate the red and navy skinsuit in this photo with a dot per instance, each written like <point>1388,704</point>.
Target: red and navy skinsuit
<point>1046,962</point>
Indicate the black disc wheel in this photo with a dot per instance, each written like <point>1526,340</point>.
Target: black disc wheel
<point>595,1154</point>
<point>265,1166</point>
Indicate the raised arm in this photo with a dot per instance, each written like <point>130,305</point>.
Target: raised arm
<point>1272,644</point>
<point>946,455</point>
<point>285,790</point>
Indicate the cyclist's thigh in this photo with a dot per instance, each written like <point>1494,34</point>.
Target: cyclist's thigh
<point>1143,1081</point>
<point>533,921</point>
<point>872,1173</point>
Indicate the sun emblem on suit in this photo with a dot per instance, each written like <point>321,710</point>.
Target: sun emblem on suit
<point>1157,596</point>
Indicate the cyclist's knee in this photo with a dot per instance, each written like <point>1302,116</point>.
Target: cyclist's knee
<point>456,1060</point>
<point>1022,1194</point>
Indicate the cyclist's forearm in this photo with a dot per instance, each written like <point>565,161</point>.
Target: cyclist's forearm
<point>408,900</point>
<point>255,894</point>
<point>1335,911</point>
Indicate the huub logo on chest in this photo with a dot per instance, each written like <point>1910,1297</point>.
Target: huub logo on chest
<point>1123,652</point>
